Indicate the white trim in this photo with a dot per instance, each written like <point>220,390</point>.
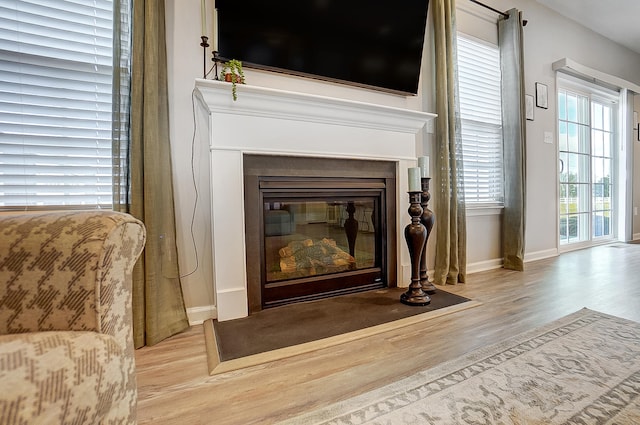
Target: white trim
<point>232,302</point>
<point>197,315</point>
<point>475,211</point>
<point>541,255</point>
<point>589,244</point>
<point>287,105</point>
<point>636,237</point>
<point>307,152</point>
<point>497,263</point>
<point>587,87</point>
<point>625,173</point>
<point>571,67</point>
<point>482,266</point>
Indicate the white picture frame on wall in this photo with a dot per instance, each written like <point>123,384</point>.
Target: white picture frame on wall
<point>541,96</point>
<point>528,103</point>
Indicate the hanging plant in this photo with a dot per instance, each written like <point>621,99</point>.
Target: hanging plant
<point>232,73</point>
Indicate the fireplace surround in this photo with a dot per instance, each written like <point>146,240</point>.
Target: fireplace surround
<point>281,123</point>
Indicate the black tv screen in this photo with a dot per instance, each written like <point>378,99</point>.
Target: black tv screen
<point>370,43</point>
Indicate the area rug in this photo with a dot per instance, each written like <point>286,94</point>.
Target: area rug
<point>581,369</point>
<point>286,331</point>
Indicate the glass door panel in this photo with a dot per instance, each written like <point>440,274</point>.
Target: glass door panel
<point>585,142</point>
<point>310,238</point>
<point>602,164</point>
<point>318,242</point>
<point>575,167</point>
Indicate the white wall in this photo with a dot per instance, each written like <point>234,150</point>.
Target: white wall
<point>548,37</point>
<point>184,66</point>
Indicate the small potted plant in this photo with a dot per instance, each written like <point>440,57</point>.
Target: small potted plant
<point>232,73</point>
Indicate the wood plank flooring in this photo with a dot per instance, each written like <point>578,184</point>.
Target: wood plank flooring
<point>175,388</point>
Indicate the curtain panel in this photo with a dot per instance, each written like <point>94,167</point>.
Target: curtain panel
<point>449,206</point>
<point>145,184</point>
<point>510,36</point>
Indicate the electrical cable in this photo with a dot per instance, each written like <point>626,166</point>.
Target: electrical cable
<point>195,184</point>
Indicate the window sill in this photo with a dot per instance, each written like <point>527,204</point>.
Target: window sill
<point>482,210</point>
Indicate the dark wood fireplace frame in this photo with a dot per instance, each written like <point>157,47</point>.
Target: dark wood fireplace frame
<point>257,168</point>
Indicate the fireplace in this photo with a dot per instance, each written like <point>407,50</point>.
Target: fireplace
<point>283,124</point>
<point>317,227</point>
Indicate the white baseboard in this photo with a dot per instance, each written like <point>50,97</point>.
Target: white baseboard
<point>496,263</point>
<point>541,255</point>
<point>636,237</point>
<point>482,266</point>
<point>197,315</point>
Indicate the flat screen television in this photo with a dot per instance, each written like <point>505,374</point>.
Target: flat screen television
<point>369,43</point>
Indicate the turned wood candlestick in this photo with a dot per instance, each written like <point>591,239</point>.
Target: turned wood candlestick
<point>427,219</point>
<point>416,236</point>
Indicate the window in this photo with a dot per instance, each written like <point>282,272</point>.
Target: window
<point>55,103</point>
<point>481,119</point>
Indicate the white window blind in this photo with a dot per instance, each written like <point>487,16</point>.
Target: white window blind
<point>481,119</point>
<point>55,103</point>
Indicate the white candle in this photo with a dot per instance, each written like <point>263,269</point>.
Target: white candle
<point>414,179</point>
<point>203,17</point>
<point>423,163</point>
<point>215,30</point>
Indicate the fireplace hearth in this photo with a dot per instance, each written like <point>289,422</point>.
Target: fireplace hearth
<point>317,227</point>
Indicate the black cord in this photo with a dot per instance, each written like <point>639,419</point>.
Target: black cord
<point>195,184</point>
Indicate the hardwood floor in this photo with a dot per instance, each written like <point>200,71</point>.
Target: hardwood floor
<point>175,388</point>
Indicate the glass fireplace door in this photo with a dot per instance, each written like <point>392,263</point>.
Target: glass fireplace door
<point>316,245</point>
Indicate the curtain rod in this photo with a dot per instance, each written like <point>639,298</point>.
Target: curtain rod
<point>506,15</point>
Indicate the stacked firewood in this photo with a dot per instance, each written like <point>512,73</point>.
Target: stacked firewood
<point>314,257</point>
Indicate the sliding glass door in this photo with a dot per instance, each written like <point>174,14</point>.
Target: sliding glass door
<point>586,138</point>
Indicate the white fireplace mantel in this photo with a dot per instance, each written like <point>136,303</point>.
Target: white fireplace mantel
<point>278,122</point>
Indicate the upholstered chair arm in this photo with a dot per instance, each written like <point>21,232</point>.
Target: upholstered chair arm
<point>66,340</point>
<point>67,270</point>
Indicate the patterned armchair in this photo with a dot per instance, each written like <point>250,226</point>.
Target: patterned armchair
<point>66,344</point>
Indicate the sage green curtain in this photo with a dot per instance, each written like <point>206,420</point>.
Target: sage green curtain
<point>510,36</point>
<point>451,235</point>
<point>158,304</point>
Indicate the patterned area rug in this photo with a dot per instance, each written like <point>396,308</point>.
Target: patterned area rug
<point>581,369</point>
